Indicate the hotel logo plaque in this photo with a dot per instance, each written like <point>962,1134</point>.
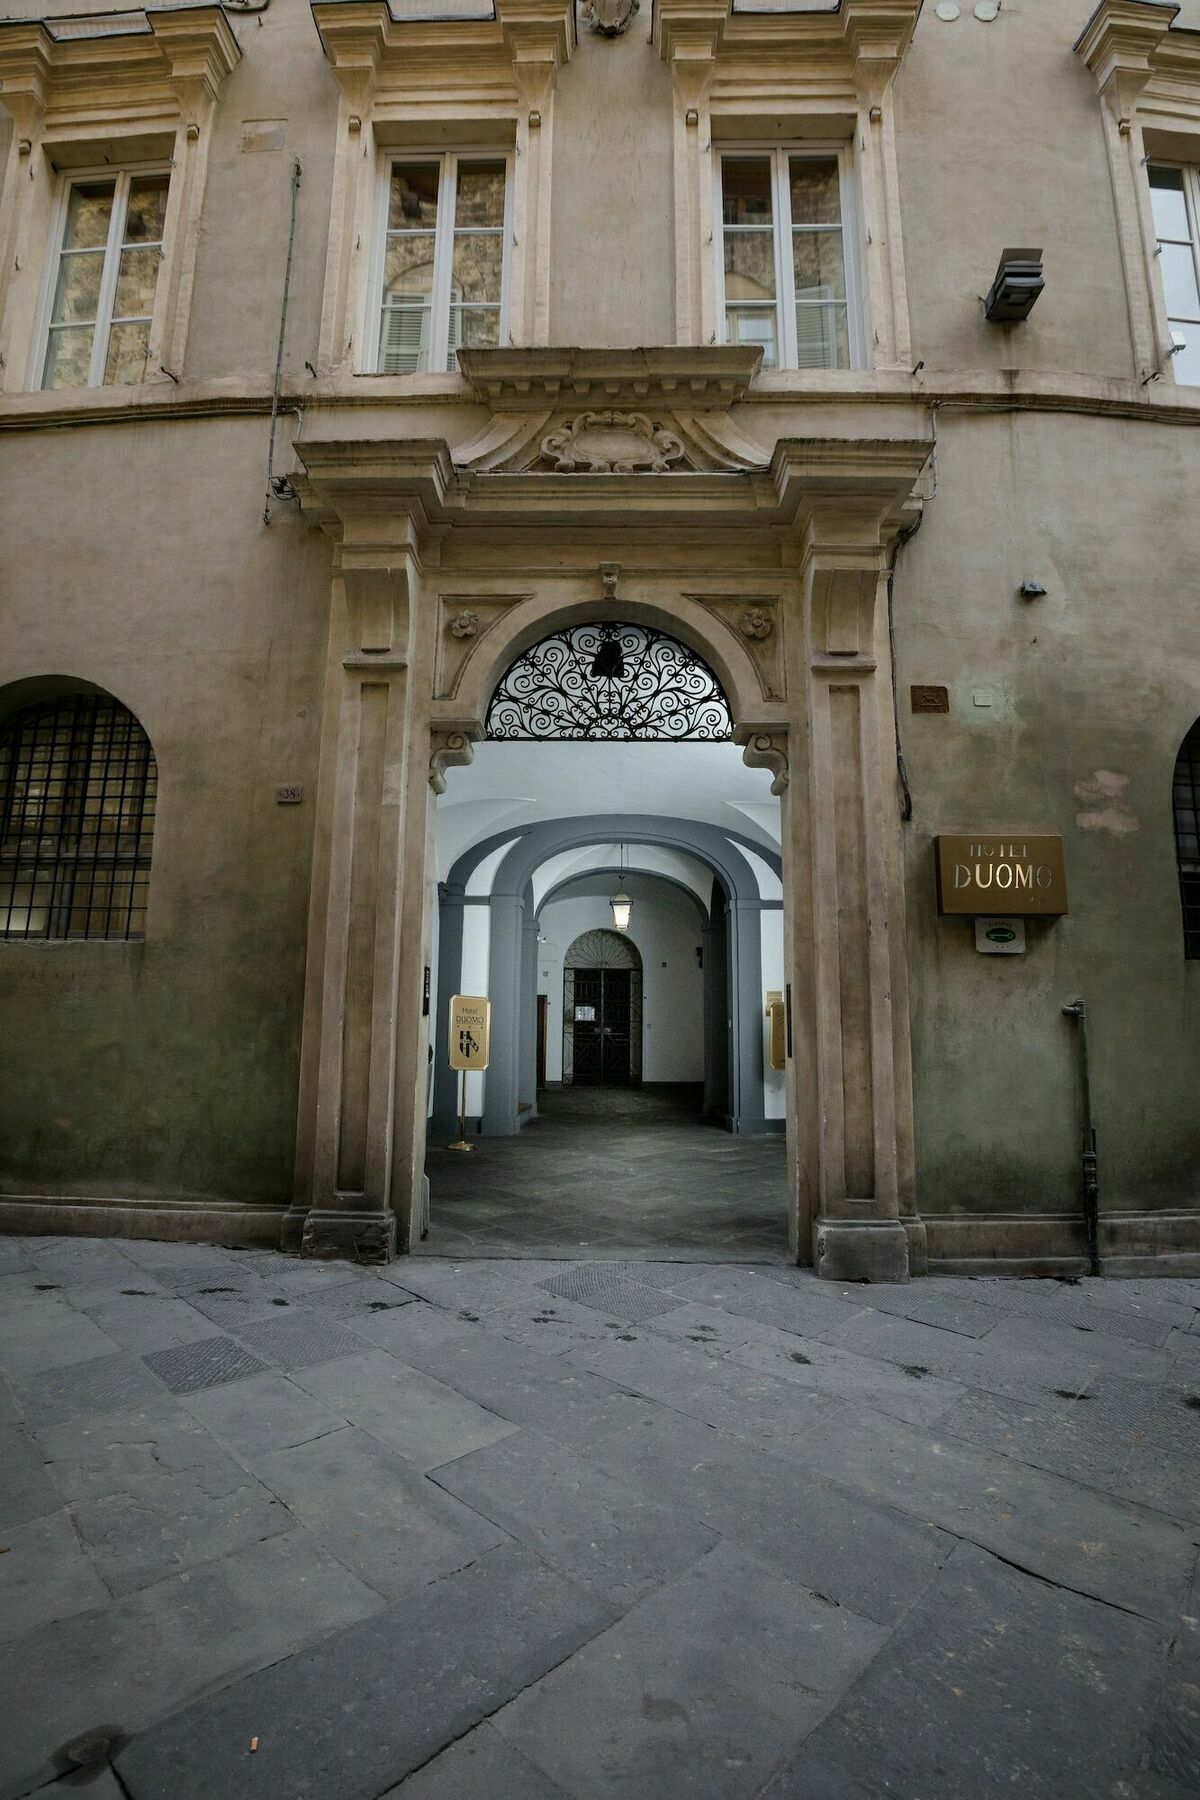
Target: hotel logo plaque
<point>1001,873</point>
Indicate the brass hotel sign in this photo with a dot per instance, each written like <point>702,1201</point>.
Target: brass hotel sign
<point>998,873</point>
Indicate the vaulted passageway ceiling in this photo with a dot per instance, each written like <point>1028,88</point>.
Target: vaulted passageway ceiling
<point>508,786</point>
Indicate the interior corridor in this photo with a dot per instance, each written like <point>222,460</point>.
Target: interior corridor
<point>612,1172</point>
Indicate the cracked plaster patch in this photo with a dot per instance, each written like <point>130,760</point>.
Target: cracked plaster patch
<point>1103,808</point>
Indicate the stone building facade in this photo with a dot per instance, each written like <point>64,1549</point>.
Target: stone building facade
<point>672,316</point>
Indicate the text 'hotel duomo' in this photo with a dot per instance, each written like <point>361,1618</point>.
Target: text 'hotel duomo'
<point>352,348</point>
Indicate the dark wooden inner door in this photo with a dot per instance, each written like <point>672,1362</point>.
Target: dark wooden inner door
<point>602,1027</point>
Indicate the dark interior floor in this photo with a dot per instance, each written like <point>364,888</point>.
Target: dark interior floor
<point>606,1172</point>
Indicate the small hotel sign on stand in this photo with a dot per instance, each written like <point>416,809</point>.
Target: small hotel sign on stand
<point>1001,873</point>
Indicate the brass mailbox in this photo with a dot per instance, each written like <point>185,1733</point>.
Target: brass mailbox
<point>1001,873</point>
<point>777,1031</point>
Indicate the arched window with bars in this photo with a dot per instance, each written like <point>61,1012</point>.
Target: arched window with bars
<point>78,783</point>
<point>1186,796</point>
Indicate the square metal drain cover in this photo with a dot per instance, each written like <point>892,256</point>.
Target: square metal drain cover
<point>299,1340</point>
<point>186,1368</point>
<point>606,1292</point>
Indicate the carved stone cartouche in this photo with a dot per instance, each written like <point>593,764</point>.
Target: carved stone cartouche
<point>611,443</point>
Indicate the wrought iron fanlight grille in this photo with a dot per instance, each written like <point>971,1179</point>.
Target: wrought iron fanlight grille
<point>609,683</point>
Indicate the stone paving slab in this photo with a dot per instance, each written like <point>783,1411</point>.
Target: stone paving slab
<point>498,1543</point>
<point>857,1552</point>
<point>481,1766</point>
<point>612,1540</point>
<point>1000,1656</point>
<point>172,1523</point>
<point>111,1383</point>
<point>363,1708</point>
<point>120,1453</point>
<point>45,1574</point>
<point>143,1657</point>
<point>26,1490</point>
<point>422,1420</point>
<point>698,1692</point>
<point>394,1528</point>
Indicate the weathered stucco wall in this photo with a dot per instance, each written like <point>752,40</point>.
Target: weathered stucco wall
<point>169,1066</point>
<point>1090,691</point>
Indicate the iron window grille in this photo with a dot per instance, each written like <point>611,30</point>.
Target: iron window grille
<point>1186,797</point>
<point>609,682</point>
<point>78,782</point>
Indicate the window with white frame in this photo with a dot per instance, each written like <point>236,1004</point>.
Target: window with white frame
<point>103,278</point>
<point>444,263</point>
<point>1175,203</point>
<point>786,257</point>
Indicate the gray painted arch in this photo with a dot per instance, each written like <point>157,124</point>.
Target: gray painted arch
<point>533,845</point>
<point>609,872</point>
<point>512,972</point>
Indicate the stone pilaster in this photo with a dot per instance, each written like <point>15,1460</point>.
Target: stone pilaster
<point>847,928</point>
<point>345,1143</point>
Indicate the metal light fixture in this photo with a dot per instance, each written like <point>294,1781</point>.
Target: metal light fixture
<point>621,904</point>
<point>1019,281</point>
<point>609,661</point>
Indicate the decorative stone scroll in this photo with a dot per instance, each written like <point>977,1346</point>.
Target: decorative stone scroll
<point>451,746</point>
<point>608,18</point>
<point>766,750</point>
<point>611,443</point>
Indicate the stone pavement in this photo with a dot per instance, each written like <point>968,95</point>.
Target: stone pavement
<point>612,1173</point>
<point>519,1530</point>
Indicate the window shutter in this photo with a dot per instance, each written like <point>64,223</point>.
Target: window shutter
<point>816,337</point>
<point>404,340</point>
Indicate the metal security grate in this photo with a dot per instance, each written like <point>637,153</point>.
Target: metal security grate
<point>1187,838</point>
<point>78,783</point>
<point>599,1288</point>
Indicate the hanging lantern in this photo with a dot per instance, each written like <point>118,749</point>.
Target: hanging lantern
<point>622,906</point>
<point>609,661</point>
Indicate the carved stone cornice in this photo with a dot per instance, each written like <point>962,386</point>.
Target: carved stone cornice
<point>675,374</point>
<point>359,486</point>
<point>385,58</point>
<point>1120,45</point>
<point>134,66</point>
<point>811,53</point>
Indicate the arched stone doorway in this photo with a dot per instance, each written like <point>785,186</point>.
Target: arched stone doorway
<point>602,1011</point>
<point>771,562</point>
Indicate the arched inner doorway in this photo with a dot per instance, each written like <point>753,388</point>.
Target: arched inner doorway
<point>602,1011</point>
<point>609,766</point>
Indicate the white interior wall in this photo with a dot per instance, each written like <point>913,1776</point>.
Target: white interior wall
<point>476,958</point>
<point>666,931</point>
<point>774,1080</point>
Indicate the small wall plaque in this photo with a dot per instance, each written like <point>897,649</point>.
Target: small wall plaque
<point>289,795</point>
<point>930,699</point>
<point>1000,937</point>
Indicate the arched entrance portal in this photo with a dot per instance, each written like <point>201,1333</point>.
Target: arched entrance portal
<point>602,1011</point>
<point>770,561</point>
